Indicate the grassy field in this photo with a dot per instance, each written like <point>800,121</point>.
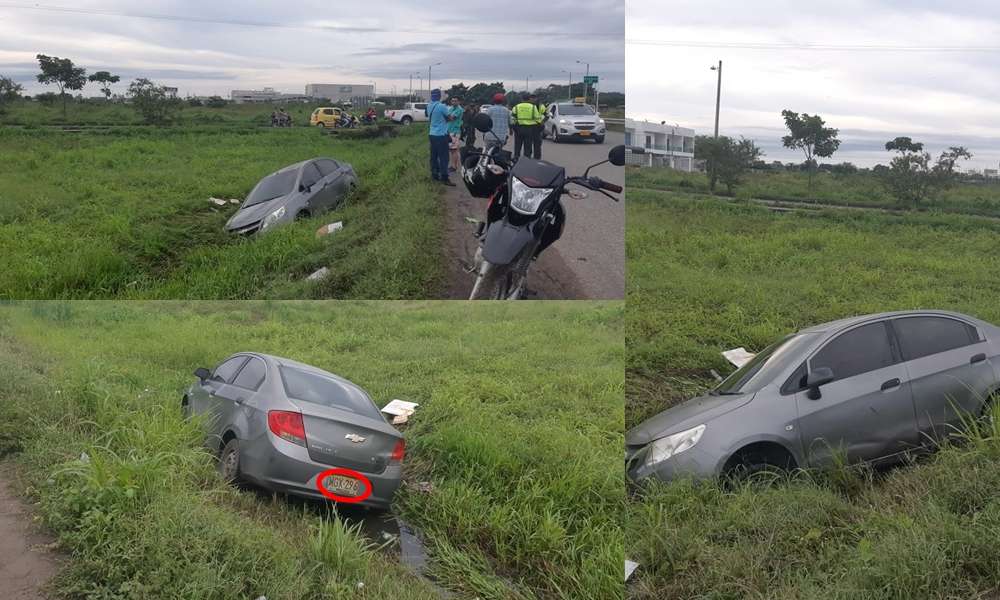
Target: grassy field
<point>519,431</point>
<point>861,189</point>
<point>706,275</point>
<point>126,214</point>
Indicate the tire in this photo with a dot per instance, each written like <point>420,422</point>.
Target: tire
<point>321,125</point>
<point>555,136</point>
<point>302,215</point>
<point>599,140</point>
<point>407,120</point>
<point>750,467</point>
<point>229,461</point>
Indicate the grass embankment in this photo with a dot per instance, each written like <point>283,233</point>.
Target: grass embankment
<point>707,276</point>
<point>860,189</point>
<point>126,214</point>
<point>519,431</point>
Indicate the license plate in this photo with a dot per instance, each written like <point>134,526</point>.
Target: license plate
<point>584,133</point>
<point>342,485</point>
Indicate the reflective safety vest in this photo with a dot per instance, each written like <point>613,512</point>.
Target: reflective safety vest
<point>527,113</point>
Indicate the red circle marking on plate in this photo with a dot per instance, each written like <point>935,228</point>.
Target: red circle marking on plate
<point>350,473</point>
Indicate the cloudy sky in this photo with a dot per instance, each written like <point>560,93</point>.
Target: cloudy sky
<point>939,83</point>
<point>213,47</point>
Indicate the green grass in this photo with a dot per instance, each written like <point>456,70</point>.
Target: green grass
<point>126,214</point>
<point>705,275</point>
<point>861,189</point>
<point>519,430</point>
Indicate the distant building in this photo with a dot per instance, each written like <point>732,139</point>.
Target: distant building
<point>991,173</point>
<point>265,95</point>
<point>171,92</point>
<point>665,145</point>
<point>341,92</point>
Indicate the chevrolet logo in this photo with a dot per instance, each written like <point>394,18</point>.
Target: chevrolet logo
<point>357,439</point>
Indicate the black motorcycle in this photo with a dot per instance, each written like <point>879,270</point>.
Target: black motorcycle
<point>525,213</point>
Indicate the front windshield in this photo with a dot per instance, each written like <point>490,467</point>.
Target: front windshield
<point>762,368</point>
<point>575,109</point>
<point>271,187</point>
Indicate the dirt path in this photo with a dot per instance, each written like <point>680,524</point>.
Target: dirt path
<point>25,562</point>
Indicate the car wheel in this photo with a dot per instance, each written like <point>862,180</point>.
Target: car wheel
<point>752,464</point>
<point>302,215</point>
<point>599,140</point>
<point>555,136</point>
<point>321,124</point>
<point>229,461</point>
<point>407,120</point>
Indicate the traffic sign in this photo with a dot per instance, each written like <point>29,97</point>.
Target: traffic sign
<point>590,79</point>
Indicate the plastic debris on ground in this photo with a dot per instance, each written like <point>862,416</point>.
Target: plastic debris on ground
<point>738,356</point>
<point>217,201</point>
<point>400,410</point>
<point>319,274</point>
<point>630,568</point>
<point>328,229</point>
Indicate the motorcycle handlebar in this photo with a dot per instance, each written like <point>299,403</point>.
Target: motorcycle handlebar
<point>611,187</point>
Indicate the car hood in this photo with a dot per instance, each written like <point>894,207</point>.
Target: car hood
<point>688,414</point>
<point>253,214</point>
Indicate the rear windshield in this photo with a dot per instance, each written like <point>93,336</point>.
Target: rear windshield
<point>320,389</point>
<point>271,187</point>
<point>762,368</point>
<point>575,109</point>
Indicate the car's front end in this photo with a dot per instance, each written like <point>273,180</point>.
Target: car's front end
<point>262,217</point>
<point>569,125</point>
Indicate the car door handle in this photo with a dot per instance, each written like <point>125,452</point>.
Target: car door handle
<point>888,385</point>
<point>977,358</point>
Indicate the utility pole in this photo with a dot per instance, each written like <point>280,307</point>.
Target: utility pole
<point>570,85</point>
<point>410,92</point>
<point>527,90</point>
<point>586,86</point>
<point>718,96</point>
<point>429,79</point>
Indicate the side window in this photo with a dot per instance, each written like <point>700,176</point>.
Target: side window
<point>310,175</point>
<point>326,166</point>
<point>857,351</point>
<point>327,111</point>
<point>923,336</point>
<point>251,375</point>
<point>422,106</point>
<point>795,383</point>
<point>224,372</point>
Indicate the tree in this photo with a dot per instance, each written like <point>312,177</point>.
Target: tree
<point>809,134</point>
<point>910,176</point>
<point>217,102</point>
<point>728,159</point>
<point>9,91</point>
<point>61,72</point>
<point>152,102</point>
<point>105,79</point>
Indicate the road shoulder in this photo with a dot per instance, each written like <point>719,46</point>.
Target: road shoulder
<point>26,561</point>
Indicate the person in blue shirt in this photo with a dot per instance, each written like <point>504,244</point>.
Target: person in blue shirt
<point>439,114</point>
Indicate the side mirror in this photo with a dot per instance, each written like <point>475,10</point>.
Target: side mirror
<point>482,122</point>
<point>815,379</point>
<point>617,156</point>
<point>202,373</point>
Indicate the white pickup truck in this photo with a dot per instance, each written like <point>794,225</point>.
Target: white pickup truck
<point>411,111</point>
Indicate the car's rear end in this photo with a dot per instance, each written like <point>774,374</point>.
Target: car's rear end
<point>323,422</point>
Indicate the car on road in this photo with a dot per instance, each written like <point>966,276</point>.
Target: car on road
<point>298,191</point>
<point>865,389</point>
<point>574,120</point>
<point>279,424</point>
<point>326,116</point>
<point>412,112</point>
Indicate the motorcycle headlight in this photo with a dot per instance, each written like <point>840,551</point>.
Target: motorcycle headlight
<point>672,445</point>
<point>526,200</point>
<point>273,218</point>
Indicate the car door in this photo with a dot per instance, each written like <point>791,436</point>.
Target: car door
<point>311,180</point>
<point>238,398</point>
<point>334,185</point>
<point>866,412</point>
<point>208,401</point>
<point>949,368</point>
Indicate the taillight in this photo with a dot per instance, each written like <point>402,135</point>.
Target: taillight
<point>398,451</point>
<point>287,425</point>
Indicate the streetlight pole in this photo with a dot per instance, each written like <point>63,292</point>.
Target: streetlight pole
<point>586,86</point>
<point>527,90</point>
<point>570,86</point>
<point>429,78</point>
<point>420,78</point>
<point>718,96</point>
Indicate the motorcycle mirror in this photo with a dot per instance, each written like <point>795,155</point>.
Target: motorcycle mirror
<point>482,122</point>
<point>617,156</point>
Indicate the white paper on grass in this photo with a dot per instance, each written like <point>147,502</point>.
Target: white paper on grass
<point>400,408</point>
<point>738,356</point>
<point>630,568</point>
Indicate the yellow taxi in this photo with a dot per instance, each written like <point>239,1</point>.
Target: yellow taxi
<point>326,116</point>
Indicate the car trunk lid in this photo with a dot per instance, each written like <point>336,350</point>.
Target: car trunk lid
<point>342,438</point>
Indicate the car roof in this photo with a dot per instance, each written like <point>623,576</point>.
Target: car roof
<point>849,321</point>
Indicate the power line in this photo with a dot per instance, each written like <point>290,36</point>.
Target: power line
<point>277,25</point>
<point>808,46</point>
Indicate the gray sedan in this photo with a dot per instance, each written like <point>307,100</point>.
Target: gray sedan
<point>869,388</point>
<point>298,191</point>
<point>280,423</point>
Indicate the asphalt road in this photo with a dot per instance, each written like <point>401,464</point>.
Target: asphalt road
<point>588,261</point>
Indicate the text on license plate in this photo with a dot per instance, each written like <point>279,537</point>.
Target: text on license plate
<point>584,133</point>
<point>342,486</point>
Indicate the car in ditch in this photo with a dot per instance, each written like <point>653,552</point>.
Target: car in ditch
<point>872,389</point>
<point>298,191</point>
<point>281,424</point>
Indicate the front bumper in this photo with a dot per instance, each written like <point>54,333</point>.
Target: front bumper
<point>692,463</point>
<point>580,131</point>
<point>282,466</point>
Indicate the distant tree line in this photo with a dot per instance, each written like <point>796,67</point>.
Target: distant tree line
<point>482,93</point>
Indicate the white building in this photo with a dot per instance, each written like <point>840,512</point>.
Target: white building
<point>341,92</point>
<point>665,145</point>
<point>265,95</point>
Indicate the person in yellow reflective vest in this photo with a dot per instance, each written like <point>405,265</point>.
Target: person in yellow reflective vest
<point>527,120</point>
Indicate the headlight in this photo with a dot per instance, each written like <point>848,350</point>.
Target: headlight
<point>273,218</point>
<point>526,200</point>
<point>601,121</point>
<point>563,121</point>
<point>672,445</point>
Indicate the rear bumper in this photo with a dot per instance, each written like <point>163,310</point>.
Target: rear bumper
<point>281,466</point>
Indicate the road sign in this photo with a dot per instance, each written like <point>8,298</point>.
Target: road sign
<point>590,79</point>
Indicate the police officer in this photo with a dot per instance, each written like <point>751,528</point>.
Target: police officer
<point>527,123</point>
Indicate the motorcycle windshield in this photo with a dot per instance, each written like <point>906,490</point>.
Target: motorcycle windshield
<point>539,173</point>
